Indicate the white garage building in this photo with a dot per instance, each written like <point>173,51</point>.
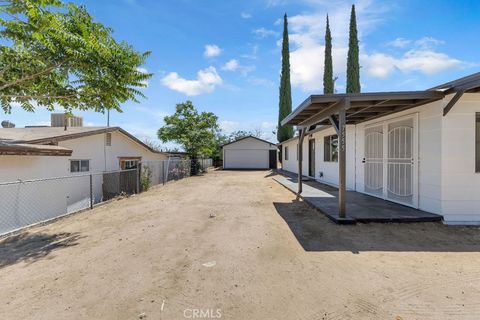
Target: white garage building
<point>249,153</point>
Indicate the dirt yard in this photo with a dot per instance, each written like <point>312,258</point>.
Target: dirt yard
<point>235,245</point>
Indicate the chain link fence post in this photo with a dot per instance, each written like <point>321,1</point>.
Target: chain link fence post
<point>91,191</point>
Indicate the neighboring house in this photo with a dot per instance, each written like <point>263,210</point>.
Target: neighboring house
<point>78,156</point>
<point>420,149</point>
<point>249,153</point>
<point>44,152</point>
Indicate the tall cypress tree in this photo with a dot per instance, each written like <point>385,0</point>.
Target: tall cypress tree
<point>353,66</point>
<point>328,85</point>
<point>285,97</point>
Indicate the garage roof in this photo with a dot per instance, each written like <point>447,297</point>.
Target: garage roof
<point>246,137</point>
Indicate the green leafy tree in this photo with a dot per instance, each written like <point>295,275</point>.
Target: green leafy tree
<point>353,66</point>
<point>285,99</point>
<point>195,132</point>
<point>328,84</point>
<point>53,54</point>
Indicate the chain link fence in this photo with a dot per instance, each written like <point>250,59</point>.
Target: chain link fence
<point>27,202</point>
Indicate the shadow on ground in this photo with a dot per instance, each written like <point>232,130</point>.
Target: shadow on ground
<point>315,232</point>
<point>30,247</point>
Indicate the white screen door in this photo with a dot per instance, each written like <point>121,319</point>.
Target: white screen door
<point>374,161</point>
<point>391,161</point>
<point>400,162</point>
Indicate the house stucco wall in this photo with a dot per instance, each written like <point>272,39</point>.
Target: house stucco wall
<point>326,172</point>
<point>460,184</point>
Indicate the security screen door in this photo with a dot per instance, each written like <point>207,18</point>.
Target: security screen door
<point>374,161</point>
<point>391,161</point>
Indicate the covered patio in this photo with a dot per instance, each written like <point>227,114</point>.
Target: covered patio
<point>360,207</point>
<point>338,111</point>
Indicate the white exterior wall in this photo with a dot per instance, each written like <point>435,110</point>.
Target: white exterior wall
<point>429,150</point>
<point>460,185</point>
<point>328,169</point>
<point>32,202</point>
<point>249,153</point>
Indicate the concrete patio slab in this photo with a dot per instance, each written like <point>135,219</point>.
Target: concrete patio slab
<point>359,207</point>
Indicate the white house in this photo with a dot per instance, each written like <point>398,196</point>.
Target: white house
<point>249,153</point>
<point>44,152</point>
<point>79,155</point>
<point>420,149</point>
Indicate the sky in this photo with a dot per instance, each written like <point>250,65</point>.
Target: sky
<point>225,56</point>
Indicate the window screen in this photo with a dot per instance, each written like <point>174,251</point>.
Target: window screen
<point>79,165</point>
<point>286,153</point>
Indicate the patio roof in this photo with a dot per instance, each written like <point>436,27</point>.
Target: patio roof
<point>360,107</point>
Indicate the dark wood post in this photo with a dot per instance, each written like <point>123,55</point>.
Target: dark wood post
<point>301,135</point>
<point>342,148</point>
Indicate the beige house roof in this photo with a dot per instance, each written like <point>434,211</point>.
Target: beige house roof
<point>52,135</point>
<point>33,149</point>
<point>43,135</point>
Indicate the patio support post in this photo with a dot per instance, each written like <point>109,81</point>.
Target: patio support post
<point>301,135</point>
<point>342,121</point>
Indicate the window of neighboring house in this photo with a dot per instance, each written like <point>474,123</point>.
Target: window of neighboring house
<point>330,148</point>
<point>286,153</point>
<point>126,164</point>
<point>108,139</point>
<point>79,165</point>
<point>477,142</point>
<point>297,151</point>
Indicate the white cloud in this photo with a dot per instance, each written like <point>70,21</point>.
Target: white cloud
<point>267,125</point>
<point>143,70</point>
<point>428,42</point>
<point>231,65</point>
<point>234,65</point>
<point>206,82</point>
<point>212,50</point>
<point>426,61</point>
<point>421,60</point>
<point>229,126</point>
<point>245,15</point>
<point>307,45</point>
<point>264,33</point>
<point>399,43</point>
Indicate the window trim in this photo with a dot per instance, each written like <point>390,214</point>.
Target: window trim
<point>122,160</point>
<point>80,165</point>
<point>328,148</point>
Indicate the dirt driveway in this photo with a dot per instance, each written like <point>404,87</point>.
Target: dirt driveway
<point>235,245</point>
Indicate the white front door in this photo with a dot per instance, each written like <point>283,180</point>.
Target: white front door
<point>391,170</point>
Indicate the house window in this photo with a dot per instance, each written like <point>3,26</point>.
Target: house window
<point>330,148</point>
<point>297,151</point>
<point>108,139</point>
<point>79,165</point>
<point>129,163</point>
<point>286,153</point>
<point>477,142</point>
